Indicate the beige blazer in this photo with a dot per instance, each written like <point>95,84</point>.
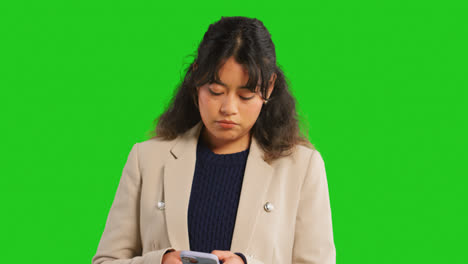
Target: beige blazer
<point>149,213</point>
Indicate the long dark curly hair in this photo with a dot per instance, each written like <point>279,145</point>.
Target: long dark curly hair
<point>277,129</point>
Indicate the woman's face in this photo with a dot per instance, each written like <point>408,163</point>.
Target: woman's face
<point>228,110</point>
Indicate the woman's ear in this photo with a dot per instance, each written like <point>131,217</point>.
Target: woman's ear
<point>195,101</point>
<point>271,84</point>
<point>194,66</point>
<point>195,96</point>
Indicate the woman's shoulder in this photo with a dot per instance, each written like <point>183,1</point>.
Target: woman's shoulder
<point>304,150</point>
<point>154,148</point>
<point>156,141</point>
<point>300,155</point>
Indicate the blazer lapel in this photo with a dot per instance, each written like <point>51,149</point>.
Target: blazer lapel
<point>257,178</point>
<point>178,176</point>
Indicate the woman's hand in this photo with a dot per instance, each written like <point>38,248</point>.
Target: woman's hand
<point>228,257</point>
<point>172,257</point>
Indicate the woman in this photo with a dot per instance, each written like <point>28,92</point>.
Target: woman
<point>228,171</point>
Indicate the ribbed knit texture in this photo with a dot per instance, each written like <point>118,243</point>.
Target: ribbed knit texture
<point>214,198</point>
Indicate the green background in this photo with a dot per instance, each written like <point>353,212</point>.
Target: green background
<point>382,85</point>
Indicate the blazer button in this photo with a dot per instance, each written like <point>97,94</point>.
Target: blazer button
<point>161,205</point>
<point>268,207</point>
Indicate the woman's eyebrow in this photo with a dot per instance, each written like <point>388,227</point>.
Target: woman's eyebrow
<point>225,85</point>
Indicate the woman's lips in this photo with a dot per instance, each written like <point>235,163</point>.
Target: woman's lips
<point>227,121</point>
<point>226,124</point>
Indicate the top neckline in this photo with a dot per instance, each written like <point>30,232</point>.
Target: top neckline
<point>230,158</point>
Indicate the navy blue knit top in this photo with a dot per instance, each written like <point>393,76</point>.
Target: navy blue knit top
<point>214,198</point>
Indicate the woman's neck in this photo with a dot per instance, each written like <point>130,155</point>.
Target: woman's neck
<point>223,146</point>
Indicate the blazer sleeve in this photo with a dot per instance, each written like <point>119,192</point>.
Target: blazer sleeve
<point>120,242</point>
<point>313,238</point>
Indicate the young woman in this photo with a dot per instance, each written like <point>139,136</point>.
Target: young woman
<point>228,171</point>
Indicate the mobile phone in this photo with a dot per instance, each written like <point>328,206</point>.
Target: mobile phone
<point>195,257</point>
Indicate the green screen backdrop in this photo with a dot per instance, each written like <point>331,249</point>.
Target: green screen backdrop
<point>382,86</point>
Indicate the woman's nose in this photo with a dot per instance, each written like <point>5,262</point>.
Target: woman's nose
<point>228,106</point>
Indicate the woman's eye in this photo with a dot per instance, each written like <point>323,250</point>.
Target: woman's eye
<point>247,95</point>
<point>246,98</point>
<point>214,93</point>
<point>243,96</point>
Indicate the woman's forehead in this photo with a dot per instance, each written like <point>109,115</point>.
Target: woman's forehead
<point>229,81</point>
<point>231,65</point>
<point>220,82</point>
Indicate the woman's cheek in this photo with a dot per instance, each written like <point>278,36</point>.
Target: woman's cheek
<point>203,98</point>
<point>207,103</point>
<point>252,111</point>
<point>255,106</point>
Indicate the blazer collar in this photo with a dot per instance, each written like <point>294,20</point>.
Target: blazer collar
<point>178,175</point>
